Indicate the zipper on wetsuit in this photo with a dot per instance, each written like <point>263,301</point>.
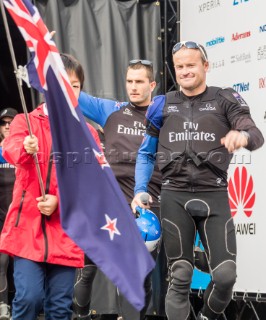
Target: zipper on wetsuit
<point>189,161</point>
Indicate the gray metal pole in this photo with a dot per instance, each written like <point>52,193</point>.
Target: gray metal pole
<point>21,94</point>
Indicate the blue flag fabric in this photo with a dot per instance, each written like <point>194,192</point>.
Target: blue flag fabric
<point>94,211</point>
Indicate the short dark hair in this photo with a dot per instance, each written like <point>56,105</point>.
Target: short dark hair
<point>148,68</point>
<point>73,65</point>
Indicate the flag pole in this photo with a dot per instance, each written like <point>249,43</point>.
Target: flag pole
<point>21,94</point>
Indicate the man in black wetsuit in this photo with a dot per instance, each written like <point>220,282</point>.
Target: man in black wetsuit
<point>194,133</point>
<point>124,128</point>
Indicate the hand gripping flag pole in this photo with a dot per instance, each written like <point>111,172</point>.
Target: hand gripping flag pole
<point>19,75</point>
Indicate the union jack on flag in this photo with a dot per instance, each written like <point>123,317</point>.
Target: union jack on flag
<point>42,47</point>
<point>94,211</point>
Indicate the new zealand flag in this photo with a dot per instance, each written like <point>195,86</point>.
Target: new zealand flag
<point>94,211</point>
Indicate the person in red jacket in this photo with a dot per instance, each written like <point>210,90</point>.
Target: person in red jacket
<point>45,258</point>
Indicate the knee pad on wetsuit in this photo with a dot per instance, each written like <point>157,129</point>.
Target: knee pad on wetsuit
<point>181,275</point>
<point>177,298</point>
<point>88,272</point>
<point>224,276</point>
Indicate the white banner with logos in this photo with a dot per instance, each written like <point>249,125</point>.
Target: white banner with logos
<point>234,35</point>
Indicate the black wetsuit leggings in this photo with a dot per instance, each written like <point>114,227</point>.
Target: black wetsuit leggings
<point>4,259</point>
<point>182,214</point>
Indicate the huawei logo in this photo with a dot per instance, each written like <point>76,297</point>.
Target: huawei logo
<point>241,192</point>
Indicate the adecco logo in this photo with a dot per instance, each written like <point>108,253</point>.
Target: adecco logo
<point>241,193</point>
<point>238,36</point>
<point>237,2</point>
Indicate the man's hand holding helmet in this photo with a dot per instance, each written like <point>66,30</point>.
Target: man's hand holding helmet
<point>142,199</point>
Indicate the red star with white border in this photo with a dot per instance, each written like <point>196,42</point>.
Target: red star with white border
<point>111,227</point>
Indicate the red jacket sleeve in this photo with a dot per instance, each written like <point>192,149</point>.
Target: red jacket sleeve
<point>95,135</point>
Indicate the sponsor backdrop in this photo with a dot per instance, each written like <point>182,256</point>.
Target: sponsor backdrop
<point>234,35</point>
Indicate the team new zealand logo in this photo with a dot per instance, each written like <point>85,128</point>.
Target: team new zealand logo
<point>241,192</point>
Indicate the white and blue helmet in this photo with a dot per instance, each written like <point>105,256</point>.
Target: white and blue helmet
<point>149,227</point>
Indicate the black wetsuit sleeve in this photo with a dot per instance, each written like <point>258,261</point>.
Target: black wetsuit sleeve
<point>238,114</point>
